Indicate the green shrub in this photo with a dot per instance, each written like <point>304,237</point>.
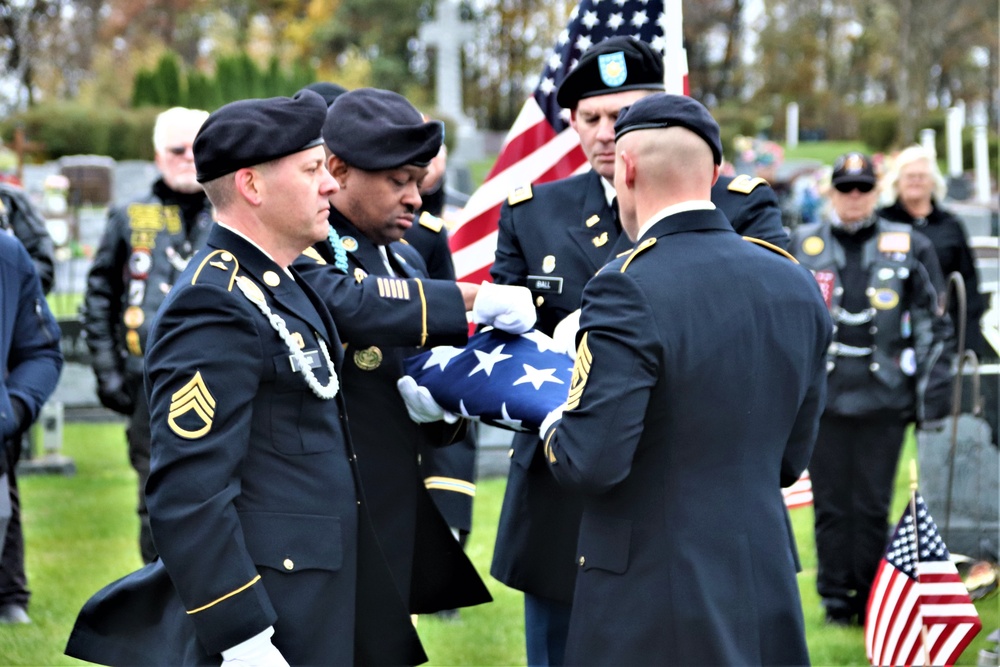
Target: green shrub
<point>71,129</point>
<point>878,127</point>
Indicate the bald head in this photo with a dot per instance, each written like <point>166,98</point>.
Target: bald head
<point>659,167</point>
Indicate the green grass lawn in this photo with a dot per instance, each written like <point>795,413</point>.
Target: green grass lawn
<point>81,534</point>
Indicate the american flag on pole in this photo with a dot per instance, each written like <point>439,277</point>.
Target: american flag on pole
<point>541,146</point>
<point>919,611</point>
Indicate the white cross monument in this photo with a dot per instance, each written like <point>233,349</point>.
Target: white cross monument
<point>447,32</point>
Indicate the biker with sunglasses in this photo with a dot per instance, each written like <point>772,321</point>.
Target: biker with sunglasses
<point>888,365</point>
<point>147,242</point>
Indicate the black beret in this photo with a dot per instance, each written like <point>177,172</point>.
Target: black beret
<point>616,64</point>
<point>249,132</point>
<point>374,129</point>
<point>329,91</point>
<point>662,110</point>
<point>853,168</point>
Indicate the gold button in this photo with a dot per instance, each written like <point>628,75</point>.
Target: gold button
<point>582,561</point>
<point>874,367</point>
<point>539,301</point>
<point>510,453</point>
<point>271,279</point>
<point>288,564</point>
<point>226,257</point>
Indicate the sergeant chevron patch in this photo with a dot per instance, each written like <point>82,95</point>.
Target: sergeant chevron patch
<point>581,371</point>
<point>192,409</point>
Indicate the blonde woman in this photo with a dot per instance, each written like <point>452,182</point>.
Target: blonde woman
<point>916,187</point>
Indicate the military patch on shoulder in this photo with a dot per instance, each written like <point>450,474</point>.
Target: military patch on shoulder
<point>431,222</point>
<point>744,184</point>
<point>313,254</point>
<point>519,194</point>
<point>770,246</point>
<point>645,245</point>
<point>222,260</point>
<point>581,371</point>
<point>192,409</point>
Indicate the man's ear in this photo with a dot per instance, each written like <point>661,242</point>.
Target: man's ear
<point>338,169</point>
<point>629,163</point>
<point>250,185</point>
<point>715,174</point>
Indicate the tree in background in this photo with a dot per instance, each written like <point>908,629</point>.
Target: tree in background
<point>836,59</point>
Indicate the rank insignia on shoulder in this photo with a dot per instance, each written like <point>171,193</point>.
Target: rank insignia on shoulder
<point>192,409</point>
<point>894,242</point>
<point>219,259</point>
<point>312,254</point>
<point>393,288</point>
<point>745,184</point>
<point>645,245</point>
<point>592,220</point>
<point>600,240</point>
<point>431,222</point>
<point>519,194</point>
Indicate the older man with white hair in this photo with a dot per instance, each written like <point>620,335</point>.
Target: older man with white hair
<point>146,244</point>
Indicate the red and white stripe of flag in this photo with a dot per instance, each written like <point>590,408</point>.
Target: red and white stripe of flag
<point>900,608</point>
<point>531,153</point>
<point>799,494</point>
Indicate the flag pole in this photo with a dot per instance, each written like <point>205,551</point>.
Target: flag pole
<point>675,69</point>
<point>913,515</point>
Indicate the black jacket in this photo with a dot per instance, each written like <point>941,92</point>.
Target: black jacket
<point>947,234</point>
<point>19,217</point>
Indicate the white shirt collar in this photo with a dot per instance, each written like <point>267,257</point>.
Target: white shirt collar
<point>684,206</point>
<point>609,190</point>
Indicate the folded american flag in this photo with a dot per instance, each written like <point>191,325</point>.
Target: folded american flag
<point>507,380</point>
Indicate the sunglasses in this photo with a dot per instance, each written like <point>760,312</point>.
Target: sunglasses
<point>863,188</point>
<point>177,150</point>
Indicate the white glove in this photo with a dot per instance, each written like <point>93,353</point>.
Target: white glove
<point>420,404</point>
<point>550,420</point>
<point>258,651</point>
<point>506,307</point>
<point>564,335</point>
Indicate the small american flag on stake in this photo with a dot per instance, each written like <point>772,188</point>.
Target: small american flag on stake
<point>919,611</point>
<point>541,146</point>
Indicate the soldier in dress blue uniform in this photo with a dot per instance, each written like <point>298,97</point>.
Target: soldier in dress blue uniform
<point>385,307</point>
<point>698,384</point>
<point>266,552</point>
<point>889,365</point>
<point>553,238</point>
<point>449,472</point>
